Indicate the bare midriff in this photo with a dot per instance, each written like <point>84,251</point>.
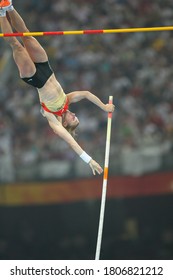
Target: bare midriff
<point>52,94</point>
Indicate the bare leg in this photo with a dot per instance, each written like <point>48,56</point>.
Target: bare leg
<point>35,50</point>
<point>22,59</point>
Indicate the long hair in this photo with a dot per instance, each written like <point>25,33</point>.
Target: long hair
<point>72,129</point>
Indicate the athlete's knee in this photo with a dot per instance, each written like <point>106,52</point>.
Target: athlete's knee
<point>12,41</point>
<point>9,40</point>
<point>29,39</point>
<point>17,49</point>
<point>29,42</point>
<point>16,46</point>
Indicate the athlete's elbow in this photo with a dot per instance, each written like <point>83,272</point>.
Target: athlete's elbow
<point>87,94</point>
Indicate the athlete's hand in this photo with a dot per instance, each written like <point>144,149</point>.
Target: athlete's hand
<point>109,108</point>
<point>95,167</point>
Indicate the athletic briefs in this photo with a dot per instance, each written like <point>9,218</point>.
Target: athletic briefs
<point>42,74</point>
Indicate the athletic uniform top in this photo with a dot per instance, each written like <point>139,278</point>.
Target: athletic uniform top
<point>61,108</point>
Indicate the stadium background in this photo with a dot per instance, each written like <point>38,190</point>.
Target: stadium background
<point>49,201</point>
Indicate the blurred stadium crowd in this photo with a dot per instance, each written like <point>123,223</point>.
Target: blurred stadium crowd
<point>135,68</point>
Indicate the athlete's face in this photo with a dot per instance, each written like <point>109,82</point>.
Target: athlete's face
<point>70,119</point>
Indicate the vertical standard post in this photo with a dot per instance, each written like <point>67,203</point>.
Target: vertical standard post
<point>104,187</point>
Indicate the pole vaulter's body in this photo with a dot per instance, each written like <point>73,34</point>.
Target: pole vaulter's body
<point>34,69</point>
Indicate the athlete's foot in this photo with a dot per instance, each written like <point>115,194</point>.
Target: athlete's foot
<point>6,5</point>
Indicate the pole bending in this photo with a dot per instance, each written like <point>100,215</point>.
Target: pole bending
<point>105,179</point>
<point>35,70</point>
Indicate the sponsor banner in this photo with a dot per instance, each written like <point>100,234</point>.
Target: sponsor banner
<point>85,189</point>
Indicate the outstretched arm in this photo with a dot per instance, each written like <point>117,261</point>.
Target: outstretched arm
<point>63,133</point>
<point>76,96</point>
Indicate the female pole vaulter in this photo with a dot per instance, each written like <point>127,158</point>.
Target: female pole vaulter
<point>34,69</point>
